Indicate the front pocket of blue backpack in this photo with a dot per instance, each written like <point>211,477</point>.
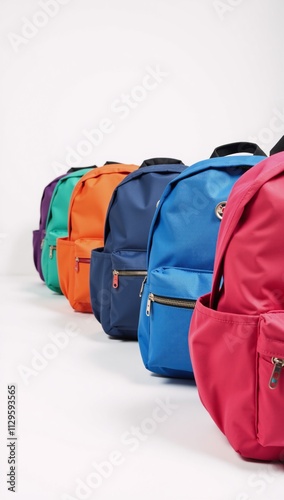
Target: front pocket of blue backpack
<point>171,300</point>
<point>128,273</point>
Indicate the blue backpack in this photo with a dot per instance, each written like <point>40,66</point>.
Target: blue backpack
<point>118,269</point>
<point>180,255</point>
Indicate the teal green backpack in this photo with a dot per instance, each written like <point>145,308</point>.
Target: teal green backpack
<point>56,225</point>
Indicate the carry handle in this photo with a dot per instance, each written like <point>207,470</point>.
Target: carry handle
<point>112,163</point>
<point>75,169</point>
<point>160,161</point>
<point>237,147</point>
<point>279,146</point>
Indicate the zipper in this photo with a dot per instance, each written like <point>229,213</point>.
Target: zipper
<point>51,248</point>
<point>116,274</point>
<point>142,286</point>
<point>168,301</point>
<point>277,368</point>
<point>82,260</point>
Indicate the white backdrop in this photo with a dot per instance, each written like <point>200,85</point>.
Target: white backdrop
<point>82,82</point>
<point>76,71</point>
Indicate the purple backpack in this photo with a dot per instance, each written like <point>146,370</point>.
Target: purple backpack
<point>38,234</point>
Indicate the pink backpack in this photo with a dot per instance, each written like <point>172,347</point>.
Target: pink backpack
<point>236,335</point>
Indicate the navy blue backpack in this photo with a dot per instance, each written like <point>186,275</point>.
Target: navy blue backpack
<point>119,268</point>
<point>180,255</point>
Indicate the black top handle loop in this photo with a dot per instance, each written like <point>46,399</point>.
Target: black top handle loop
<point>75,169</point>
<point>237,147</point>
<point>279,146</point>
<point>160,161</point>
<point>112,163</point>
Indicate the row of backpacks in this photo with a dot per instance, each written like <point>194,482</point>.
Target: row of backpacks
<point>137,247</point>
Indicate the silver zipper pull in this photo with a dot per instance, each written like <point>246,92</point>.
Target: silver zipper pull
<point>41,243</point>
<point>277,368</point>
<point>142,286</point>
<point>51,248</point>
<point>149,301</point>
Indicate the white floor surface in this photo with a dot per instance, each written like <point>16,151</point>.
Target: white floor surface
<point>93,423</point>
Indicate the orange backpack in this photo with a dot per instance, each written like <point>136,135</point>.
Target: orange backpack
<point>87,212</point>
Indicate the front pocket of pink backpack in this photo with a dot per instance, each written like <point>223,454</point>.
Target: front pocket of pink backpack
<point>270,379</point>
<point>223,347</point>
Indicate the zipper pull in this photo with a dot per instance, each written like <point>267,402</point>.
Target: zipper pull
<point>149,301</point>
<point>115,279</point>
<point>277,368</point>
<point>77,260</point>
<point>51,248</point>
<point>142,286</point>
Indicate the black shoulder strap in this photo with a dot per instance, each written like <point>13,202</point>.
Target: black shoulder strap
<point>279,146</point>
<point>75,169</point>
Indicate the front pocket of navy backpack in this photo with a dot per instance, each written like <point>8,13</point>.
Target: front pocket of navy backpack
<point>128,273</point>
<point>172,296</point>
<point>100,270</point>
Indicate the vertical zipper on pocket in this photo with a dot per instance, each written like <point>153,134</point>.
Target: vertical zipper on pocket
<point>51,248</point>
<point>277,368</point>
<point>169,301</point>
<point>116,274</point>
<point>82,260</point>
